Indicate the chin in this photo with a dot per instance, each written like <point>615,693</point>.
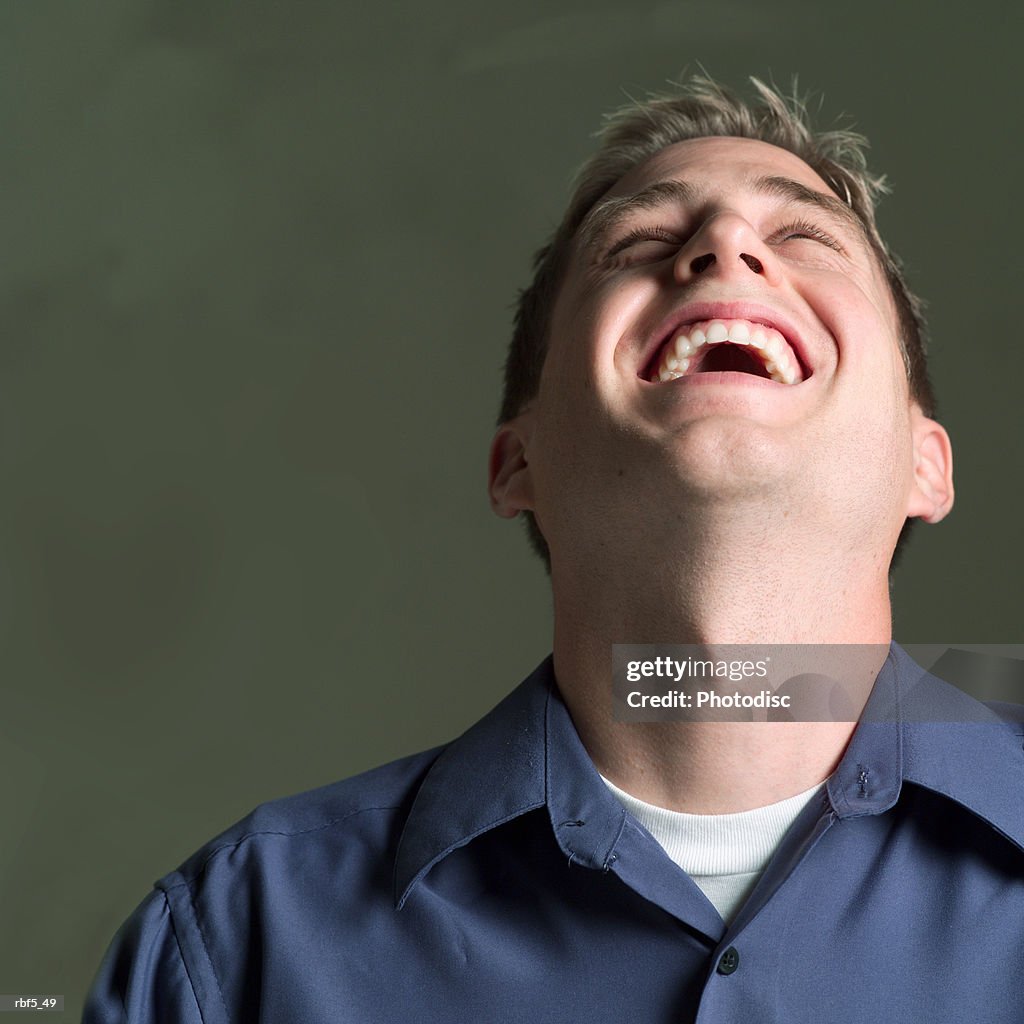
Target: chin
<point>734,461</point>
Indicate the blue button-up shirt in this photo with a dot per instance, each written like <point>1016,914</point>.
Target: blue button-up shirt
<point>498,879</point>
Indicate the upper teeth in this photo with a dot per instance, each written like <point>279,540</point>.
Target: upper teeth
<point>771,346</point>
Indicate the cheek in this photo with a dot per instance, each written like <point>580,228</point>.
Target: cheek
<point>878,447</point>
<point>597,316</point>
<point>868,353</point>
<point>870,427</point>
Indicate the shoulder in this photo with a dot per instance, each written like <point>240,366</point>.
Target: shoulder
<point>143,977</point>
<point>188,944</point>
<point>356,817</point>
<point>361,809</point>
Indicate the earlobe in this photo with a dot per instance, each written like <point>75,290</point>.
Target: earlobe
<point>931,495</point>
<point>509,482</point>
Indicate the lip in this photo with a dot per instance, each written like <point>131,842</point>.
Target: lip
<point>693,312</point>
<point>717,378</point>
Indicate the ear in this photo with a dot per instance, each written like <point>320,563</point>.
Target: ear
<point>509,482</point>
<point>931,495</point>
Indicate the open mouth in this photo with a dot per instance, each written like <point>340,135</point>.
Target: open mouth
<point>739,346</point>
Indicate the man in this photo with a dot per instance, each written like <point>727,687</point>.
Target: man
<point>718,420</point>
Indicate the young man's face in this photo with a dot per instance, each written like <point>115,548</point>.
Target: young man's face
<point>804,406</point>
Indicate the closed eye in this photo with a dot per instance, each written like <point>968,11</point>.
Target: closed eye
<point>638,235</point>
<point>805,229</point>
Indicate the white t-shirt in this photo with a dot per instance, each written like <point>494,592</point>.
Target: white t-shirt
<point>724,854</point>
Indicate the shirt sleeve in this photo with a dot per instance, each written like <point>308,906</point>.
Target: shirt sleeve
<point>143,978</point>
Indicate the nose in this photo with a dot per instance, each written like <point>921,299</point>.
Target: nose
<point>726,246</point>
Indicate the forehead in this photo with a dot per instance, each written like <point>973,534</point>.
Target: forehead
<point>719,161</point>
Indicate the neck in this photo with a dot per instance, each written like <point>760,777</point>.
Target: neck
<point>763,590</point>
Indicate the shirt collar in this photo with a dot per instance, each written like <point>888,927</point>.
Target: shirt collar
<point>523,755</point>
<point>526,754</point>
<point>960,747</point>
<point>492,773</point>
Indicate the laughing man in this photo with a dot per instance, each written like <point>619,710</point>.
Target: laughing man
<point>718,423</point>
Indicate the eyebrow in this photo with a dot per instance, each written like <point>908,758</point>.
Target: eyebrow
<point>608,214</point>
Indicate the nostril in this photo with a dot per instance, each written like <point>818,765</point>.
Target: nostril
<point>701,263</point>
<point>753,262</point>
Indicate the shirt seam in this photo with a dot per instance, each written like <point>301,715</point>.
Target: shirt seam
<point>190,879</point>
<point>148,957</point>
<point>209,959</point>
<point>611,856</point>
<point>184,963</point>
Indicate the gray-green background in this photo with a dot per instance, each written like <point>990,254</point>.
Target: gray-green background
<point>258,268</point>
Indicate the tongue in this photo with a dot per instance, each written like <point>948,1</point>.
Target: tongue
<point>718,358</point>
